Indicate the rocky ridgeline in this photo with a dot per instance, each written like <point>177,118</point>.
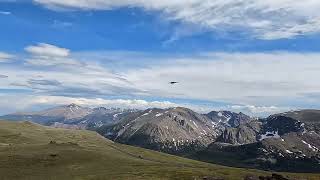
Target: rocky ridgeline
<point>278,142</point>
<point>173,130</point>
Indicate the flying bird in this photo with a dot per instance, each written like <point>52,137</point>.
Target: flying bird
<point>173,82</point>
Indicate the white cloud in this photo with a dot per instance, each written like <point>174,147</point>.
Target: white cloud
<point>266,19</point>
<point>133,103</point>
<point>51,73</point>
<point>5,57</point>
<point>47,50</point>
<point>44,54</point>
<point>258,110</point>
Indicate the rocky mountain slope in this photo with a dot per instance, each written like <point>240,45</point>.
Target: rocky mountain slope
<point>228,119</point>
<point>103,116</point>
<point>311,118</point>
<point>174,130</point>
<point>278,142</point>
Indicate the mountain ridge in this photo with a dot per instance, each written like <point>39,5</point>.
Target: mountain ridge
<point>278,140</point>
<point>275,143</point>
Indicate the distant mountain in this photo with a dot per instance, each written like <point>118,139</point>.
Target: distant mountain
<point>174,130</point>
<point>171,130</point>
<point>278,142</point>
<point>228,119</point>
<point>243,134</point>
<point>68,113</point>
<point>72,116</point>
<point>104,116</point>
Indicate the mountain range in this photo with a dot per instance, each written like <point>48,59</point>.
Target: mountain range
<point>72,116</point>
<point>33,151</point>
<point>284,142</point>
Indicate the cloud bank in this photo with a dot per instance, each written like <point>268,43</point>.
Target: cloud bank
<point>246,78</point>
<point>263,19</point>
<point>250,82</point>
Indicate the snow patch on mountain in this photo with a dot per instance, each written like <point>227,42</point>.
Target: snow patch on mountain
<point>273,134</point>
<point>313,148</point>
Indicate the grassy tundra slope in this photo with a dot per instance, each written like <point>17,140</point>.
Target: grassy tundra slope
<point>34,152</point>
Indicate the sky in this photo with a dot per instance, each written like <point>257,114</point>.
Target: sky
<point>254,56</point>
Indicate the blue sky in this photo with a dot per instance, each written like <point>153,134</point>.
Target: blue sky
<point>259,57</point>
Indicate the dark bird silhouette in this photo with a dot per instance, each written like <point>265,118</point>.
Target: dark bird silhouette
<point>173,82</point>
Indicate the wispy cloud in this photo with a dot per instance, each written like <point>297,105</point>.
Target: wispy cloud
<point>44,54</point>
<point>5,13</point>
<point>44,82</point>
<point>61,24</point>
<point>262,79</point>
<point>5,57</point>
<point>3,76</point>
<point>52,70</point>
<point>264,19</point>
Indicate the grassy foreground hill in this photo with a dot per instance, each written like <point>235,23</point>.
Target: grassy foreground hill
<point>33,152</point>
